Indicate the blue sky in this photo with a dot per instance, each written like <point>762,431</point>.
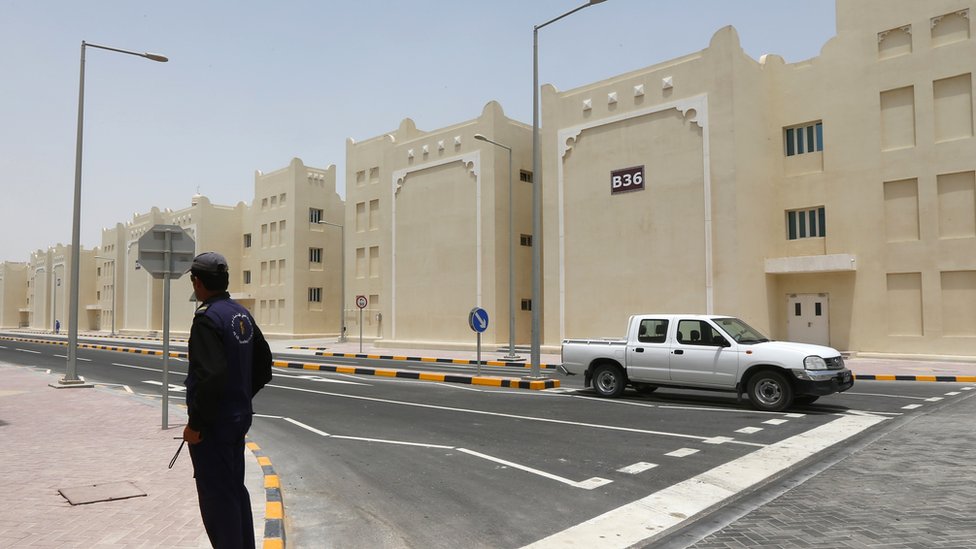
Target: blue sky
<point>250,85</point>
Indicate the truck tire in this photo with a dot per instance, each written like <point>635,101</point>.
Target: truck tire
<point>609,380</point>
<point>770,391</point>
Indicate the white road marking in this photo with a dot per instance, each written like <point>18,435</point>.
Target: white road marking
<point>911,406</point>
<point>776,421</point>
<point>175,388</point>
<point>637,468</point>
<point>952,393</point>
<point>83,359</point>
<point>706,440</point>
<point>682,452</point>
<point>889,396</point>
<point>587,484</point>
<point>967,388</point>
<point>127,389</point>
<point>652,516</point>
<point>749,430</point>
<point>28,351</point>
<point>136,367</point>
<point>933,399</point>
<point>795,416</point>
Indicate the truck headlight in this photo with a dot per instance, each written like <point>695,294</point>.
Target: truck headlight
<point>814,363</point>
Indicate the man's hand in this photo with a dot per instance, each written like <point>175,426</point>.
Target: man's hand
<point>191,436</point>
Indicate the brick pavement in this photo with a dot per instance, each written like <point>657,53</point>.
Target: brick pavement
<point>912,488</point>
<point>62,438</point>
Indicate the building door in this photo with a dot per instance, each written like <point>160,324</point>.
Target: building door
<point>807,319</point>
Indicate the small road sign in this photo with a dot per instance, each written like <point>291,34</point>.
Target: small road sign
<point>478,319</point>
<point>361,301</point>
<point>160,241</point>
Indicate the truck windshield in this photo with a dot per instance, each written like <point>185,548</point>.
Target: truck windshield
<point>740,331</point>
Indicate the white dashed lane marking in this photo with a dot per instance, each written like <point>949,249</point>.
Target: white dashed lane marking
<point>682,452</point>
<point>749,430</point>
<point>637,468</point>
<point>775,421</point>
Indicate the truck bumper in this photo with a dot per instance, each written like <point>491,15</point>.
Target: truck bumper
<point>827,382</point>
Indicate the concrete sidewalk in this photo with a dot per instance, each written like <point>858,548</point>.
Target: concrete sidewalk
<point>59,439</point>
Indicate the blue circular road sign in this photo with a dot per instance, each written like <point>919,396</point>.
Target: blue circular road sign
<point>478,319</point>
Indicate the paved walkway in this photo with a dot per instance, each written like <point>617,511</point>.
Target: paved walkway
<point>54,439</point>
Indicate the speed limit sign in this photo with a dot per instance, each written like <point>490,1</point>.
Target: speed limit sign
<point>361,301</point>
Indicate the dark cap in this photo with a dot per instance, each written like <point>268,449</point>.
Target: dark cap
<point>209,262</point>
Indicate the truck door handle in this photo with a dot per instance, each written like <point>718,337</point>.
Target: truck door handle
<point>679,352</point>
<point>639,350</point>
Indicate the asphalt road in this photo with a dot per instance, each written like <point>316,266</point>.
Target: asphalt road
<point>385,462</point>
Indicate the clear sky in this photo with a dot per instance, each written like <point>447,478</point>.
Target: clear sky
<point>252,84</point>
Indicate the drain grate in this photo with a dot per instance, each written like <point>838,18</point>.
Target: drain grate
<point>95,493</point>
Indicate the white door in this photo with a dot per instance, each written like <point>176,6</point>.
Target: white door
<point>807,319</point>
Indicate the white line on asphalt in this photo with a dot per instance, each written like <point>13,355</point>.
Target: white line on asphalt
<point>911,406</point>
<point>61,356</point>
<point>871,413</point>
<point>682,452</point>
<point>83,359</point>
<point>587,484</point>
<point>128,389</point>
<point>952,393</point>
<point>397,442</point>
<point>652,516</point>
<point>137,367</point>
<point>889,396</point>
<point>776,421</point>
<point>28,351</point>
<point>306,427</point>
<point>707,440</point>
<point>176,388</point>
<point>933,399</point>
<point>749,430</point>
<point>967,388</point>
<point>637,468</point>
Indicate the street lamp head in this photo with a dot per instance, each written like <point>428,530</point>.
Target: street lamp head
<point>480,137</point>
<point>163,58</point>
<point>597,2</point>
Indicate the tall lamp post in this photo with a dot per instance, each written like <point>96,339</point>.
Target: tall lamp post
<point>342,279</point>
<point>71,376</point>
<point>537,189</point>
<point>511,356</point>
<point>112,259</point>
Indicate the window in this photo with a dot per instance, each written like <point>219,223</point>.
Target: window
<point>247,240</point>
<point>526,304</point>
<point>525,176</point>
<point>315,295</point>
<point>247,277</point>
<point>808,223</point>
<point>525,240</point>
<point>315,255</point>
<point>314,215</point>
<point>652,330</point>
<point>804,139</point>
<point>699,332</point>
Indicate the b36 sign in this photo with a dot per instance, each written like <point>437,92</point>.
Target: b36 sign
<point>627,179</point>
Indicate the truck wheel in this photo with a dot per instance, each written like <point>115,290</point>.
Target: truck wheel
<point>770,391</point>
<point>608,380</point>
<point>805,399</point>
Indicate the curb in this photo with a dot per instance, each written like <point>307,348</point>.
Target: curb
<point>461,361</point>
<point>425,376</point>
<point>893,377</point>
<point>151,352</point>
<point>274,508</point>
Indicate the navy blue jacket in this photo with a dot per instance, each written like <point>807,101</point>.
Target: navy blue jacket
<point>230,361</point>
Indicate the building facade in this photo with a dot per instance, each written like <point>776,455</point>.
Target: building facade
<point>13,295</point>
<point>428,235</point>
<point>829,201</point>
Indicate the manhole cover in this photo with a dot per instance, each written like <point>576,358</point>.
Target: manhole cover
<point>94,493</point>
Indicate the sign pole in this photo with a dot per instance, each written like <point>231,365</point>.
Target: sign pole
<point>168,262</point>
<point>360,331</point>
<point>479,353</point>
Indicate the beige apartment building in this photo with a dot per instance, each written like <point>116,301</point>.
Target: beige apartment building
<point>427,221</point>
<point>48,288</point>
<point>829,201</point>
<point>13,295</point>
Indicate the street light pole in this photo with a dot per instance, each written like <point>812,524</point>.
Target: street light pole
<point>71,376</point>
<point>511,356</point>
<point>537,190</point>
<point>342,279</point>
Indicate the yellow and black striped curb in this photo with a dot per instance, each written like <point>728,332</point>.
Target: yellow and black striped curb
<point>512,383</point>
<point>460,361</point>
<point>274,509</point>
<point>135,350</point>
<point>894,377</point>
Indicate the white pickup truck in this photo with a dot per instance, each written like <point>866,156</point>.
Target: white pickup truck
<point>707,352</point>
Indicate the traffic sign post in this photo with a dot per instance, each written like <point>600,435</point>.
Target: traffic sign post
<point>361,302</point>
<point>478,321</point>
<point>166,252</point>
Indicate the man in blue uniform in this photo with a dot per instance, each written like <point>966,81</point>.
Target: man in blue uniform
<point>230,361</point>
